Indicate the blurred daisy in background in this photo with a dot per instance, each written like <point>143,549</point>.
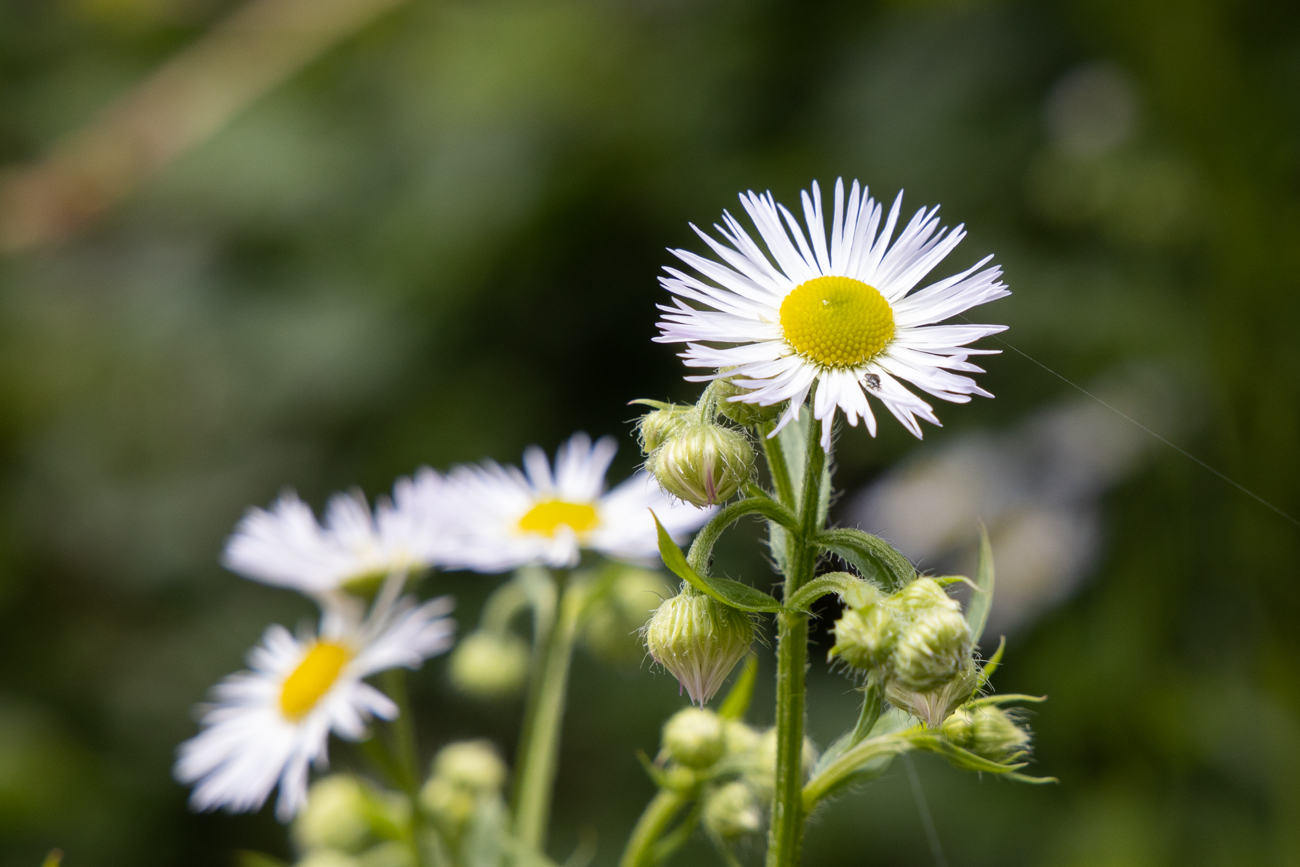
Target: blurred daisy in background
<point>837,314</point>
<point>499,518</point>
<point>268,724</point>
<point>352,550</point>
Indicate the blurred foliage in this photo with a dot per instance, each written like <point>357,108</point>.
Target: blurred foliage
<point>439,242</point>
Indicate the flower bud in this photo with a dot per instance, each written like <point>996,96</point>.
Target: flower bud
<point>922,596</point>
<point>694,737</point>
<point>612,623</point>
<point>450,805</point>
<point>699,640</point>
<point>488,665</point>
<point>865,637</point>
<point>932,650</point>
<point>989,732</point>
<point>731,811</point>
<point>657,426</point>
<point>742,412</point>
<point>935,706</point>
<point>471,765</point>
<point>703,464</point>
<point>335,817</point>
<point>741,738</point>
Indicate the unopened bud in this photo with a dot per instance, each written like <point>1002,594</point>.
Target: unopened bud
<point>488,665</point>
<point>935,706</point>
<point>987,731</point>
<point>612,624</point>
<point>865,637</point>
<point>731,811</point>
<point>450,805</point>
<point>703,464</point>
<point>657,426</point>
<point>699,640</point>
<point>694,737</point>
<point>472,765</point>
<point>921,596</point>
<point>742,412</point>
<point>335,816</point>
<point>932,650</point>
<point>741,738</point>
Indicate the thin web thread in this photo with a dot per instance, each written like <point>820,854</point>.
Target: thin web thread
<point>1191,457</point>
<point>931,833</point>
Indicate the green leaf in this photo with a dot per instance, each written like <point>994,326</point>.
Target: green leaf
<point>729,592</point>
<point>981,600</point>
<point>876,559</point>
<point>737,701</point>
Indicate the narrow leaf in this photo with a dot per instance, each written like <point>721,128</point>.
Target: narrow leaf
<point>732,593</point>
<point>981,599</point>
<point>737,701</point>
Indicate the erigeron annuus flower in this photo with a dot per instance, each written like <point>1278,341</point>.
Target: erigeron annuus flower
<point>269,723</point>
<point>500,518</point>
<point>285,545</point>
<point>840,314</point>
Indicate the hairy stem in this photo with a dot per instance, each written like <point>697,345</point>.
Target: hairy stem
<point>540,743</point>
<point>785,839</point>
<point>776,465</point>
<point>654,821</point>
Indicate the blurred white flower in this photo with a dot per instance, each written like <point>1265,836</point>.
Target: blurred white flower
<point>837,314</point>
<point>268,724</point>
<point>499,518</point>
<point>285,546</point>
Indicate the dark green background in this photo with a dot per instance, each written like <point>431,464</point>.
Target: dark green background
<point>440,242</point>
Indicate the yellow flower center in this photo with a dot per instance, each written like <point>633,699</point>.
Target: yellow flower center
<point>312,678</point>
<point>837,321</point>
<point>546,517</point>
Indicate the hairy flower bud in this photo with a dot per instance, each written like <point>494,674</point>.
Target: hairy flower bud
<point>987,731</point>
<point>612,623</point>
<point>932,650</point>
<point>335,816</point>
<point>658,425</point>
<point>731,811</point>
<point>694,737</point>
<point>935,706</point>
<point>865,637</point>
<point>489,665</point>
<point>740,411</point>
<point>472,765</point>
<point>699,640</point>
<point>703,464</point>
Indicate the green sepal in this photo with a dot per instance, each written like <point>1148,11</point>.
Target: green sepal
<point>736,704</point>
<point>873,557</point>
<point>986,672</point>
<point>968,761</point>
<point>981,600</point>
<point>999,700</point>
<point>654,404</point>
<point>653,771</point>
<point>733,593</point>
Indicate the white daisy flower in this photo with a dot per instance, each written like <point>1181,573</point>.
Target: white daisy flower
<point>285,546</point>
<point>268,724</point>
<point>841,314</point>
<point>505,518</point>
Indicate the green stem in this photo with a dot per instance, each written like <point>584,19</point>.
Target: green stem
<point>708,535</point>
<point>785,839</point>
<point>540,743</point>
<point>776,465</point>
<point>405,756</point>
<point>654,821</point>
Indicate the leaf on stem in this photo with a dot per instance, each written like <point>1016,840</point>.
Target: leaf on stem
<point>981,600</point>
<point>876,559</point>
<point>733,593</point>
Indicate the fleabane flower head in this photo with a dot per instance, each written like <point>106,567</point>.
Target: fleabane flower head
<point>267,724</point>
<point>840,313</point>
<point>353,548</point>
<point>500,518</point>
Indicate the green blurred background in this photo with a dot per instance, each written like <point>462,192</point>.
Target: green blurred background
<point>437,240</point>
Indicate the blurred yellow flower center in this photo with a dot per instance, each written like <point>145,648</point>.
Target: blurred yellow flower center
<point>837,321</point>
<point>546,517</point>
<point>312,678</point>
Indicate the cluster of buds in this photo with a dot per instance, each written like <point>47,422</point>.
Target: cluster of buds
<point>699,640</point>
<point>465,775</point>
<point>348,822</point>
<point>919,641</point>
<point>692,456</point>
<point>989,732</point>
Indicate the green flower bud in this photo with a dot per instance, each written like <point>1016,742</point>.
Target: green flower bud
<point>865,637</point>
<point>921,596</point>
<point>694,737</point>
<point>699,640</point>
<point>611,625</point>
<point>741,739</point>
<point>488,665</point>
<point>703,464</point>
<point>657,426</point>
<point>449,804</point>
<point>731,811</point>
<point>932,650</point>
<point>329,858</point>
<point>988,732</point>
<point>740,411</point>
<point>472,765</point>
<point>336,815</point>
<point>935,706</point>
